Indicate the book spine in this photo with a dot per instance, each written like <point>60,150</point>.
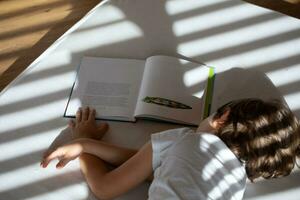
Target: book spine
<point>209,92</point>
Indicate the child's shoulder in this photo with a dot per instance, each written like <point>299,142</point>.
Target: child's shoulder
<point>176,132</point>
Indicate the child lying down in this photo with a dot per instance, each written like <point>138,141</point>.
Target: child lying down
<point>247,138</point>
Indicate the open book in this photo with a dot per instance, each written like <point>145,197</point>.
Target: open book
<point>160,87</point>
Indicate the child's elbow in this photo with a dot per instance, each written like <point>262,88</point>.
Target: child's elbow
<point>102,192</point>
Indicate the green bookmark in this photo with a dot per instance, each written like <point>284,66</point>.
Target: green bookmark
<point>209,92</point>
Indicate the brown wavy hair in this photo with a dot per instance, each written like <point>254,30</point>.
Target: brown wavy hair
<point>264,135</point>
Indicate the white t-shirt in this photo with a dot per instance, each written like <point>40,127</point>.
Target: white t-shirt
<point>189,165</point>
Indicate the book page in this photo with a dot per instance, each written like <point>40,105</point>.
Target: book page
<point>238,83</point>
<point>172,89</point>
<point>109,85</point>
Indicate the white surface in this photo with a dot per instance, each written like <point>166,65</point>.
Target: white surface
<point>221,33</point>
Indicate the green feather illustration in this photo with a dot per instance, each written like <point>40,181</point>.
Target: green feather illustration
<point>166,102</point>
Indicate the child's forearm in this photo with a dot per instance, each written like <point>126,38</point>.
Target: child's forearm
<point>107,184</point>
<point>110,153</point>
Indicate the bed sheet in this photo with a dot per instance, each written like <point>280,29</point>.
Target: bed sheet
<point>220,33</point>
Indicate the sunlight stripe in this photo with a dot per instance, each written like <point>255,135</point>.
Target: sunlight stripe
<point>177,7</point>
<point>12,181</point>
<point>293,100</point>
<point>286,75</point>
<point>109,14</point>
<point>105,36</point>
<point>197,23</point>
<point>232,39</point>
<point>14,120</point>
<point>25,146</point>
<point>67,192</point>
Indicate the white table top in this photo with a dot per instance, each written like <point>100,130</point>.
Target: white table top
<point>220,33</point>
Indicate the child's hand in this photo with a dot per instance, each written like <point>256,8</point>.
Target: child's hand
<point>64,154</point>
<point>86,126</point>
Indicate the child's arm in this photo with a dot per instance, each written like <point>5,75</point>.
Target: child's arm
<point>85,129</point>
<point>106,184</point>
<point>110,184</point>
<point>109,153</point>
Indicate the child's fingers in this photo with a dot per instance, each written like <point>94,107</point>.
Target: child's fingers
<point>103,127</point>
<point>50,157</point>
<point>92,115</point>
<point>62,163</point>
<point>71,124</point>
<point>46,153</point>
<point>79,115</point>
<point>85,114</point>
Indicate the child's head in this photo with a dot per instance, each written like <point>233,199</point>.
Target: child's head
<point>263,135</point>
